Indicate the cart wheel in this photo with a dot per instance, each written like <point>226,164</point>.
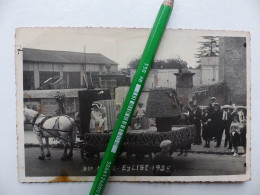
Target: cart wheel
<point>90,158</point>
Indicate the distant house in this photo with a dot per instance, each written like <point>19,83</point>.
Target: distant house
<point>210,70</point>
<point>73,68</point>
<point>166,78</point>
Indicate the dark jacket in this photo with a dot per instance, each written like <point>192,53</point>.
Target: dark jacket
<point>163,164</point>
<point>206,126</point>
<point>195,116</point>
<point>217,117</point>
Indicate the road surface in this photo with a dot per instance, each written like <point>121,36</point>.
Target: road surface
<point>195,164</point>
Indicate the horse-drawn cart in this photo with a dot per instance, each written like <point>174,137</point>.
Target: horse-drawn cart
<point>93,141</point>
<point>137,143</point>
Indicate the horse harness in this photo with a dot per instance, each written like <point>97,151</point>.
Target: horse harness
<point>39,125</point>
<point>56,125</point>
<point>35,118</point>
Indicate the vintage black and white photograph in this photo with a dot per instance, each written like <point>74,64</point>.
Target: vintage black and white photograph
<point>191,123</point>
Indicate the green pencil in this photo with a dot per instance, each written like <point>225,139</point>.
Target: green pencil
<point>132,97</point>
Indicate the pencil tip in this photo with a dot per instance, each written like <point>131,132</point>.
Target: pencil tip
<point>168,2</point>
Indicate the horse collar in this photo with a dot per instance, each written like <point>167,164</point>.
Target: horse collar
<point>35,118</point>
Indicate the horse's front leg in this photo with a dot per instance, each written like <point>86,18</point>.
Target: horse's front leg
<point>42,156</point>
<point>65,155</point>
<point>48,147</point>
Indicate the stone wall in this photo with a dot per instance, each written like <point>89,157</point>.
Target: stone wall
<point>197,79</point>
<point>203,93</point>
<point>232,54</point>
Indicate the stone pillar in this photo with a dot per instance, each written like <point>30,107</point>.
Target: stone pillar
<point>184,86</point>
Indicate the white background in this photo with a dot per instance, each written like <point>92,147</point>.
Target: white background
<point>194,14</point>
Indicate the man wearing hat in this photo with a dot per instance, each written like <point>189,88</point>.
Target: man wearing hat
<point>206,127</point>
<point>226,121</point>
<point>217,124</point>
<point>241,111</point>
<point>211,104</point>
<point>163,162</point>
<point>195,117</point>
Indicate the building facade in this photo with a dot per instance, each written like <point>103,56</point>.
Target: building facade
<point>70,69</point>
<point>210,70</point>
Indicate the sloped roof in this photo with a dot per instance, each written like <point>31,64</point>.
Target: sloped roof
<point>66,57</point>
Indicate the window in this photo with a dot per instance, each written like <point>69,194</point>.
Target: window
<point>28,80</point>
<point>45,75</point>
<point>95,79</point>
<point>72,79</point>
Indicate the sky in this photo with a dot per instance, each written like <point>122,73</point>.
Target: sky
<point>119,44</point>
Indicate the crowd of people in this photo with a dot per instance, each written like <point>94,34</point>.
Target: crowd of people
<point>213,121</point>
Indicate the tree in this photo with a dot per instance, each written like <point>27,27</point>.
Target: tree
<point>170,63</point>
<point>133,63</point>
<point>208,47</point>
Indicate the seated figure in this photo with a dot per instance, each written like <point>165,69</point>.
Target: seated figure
<point>98,120</point>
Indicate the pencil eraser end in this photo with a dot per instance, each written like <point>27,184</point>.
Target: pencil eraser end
<point>168,2</point>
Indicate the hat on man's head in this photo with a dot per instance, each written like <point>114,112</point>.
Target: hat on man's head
<point>213,98</point>
<point>206,108</point>
<point>165,143</point>
<point>96,104</point>
<point>225,107</point>
<point>241,107</point>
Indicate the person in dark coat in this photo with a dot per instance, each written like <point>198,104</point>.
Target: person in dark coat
<point>226,121</point>
<point>206,127</point>
<point>184,120</point>
<point>163,162</point>
<point>211,105</point>
<point>195,118</point>
<point>217,125</point>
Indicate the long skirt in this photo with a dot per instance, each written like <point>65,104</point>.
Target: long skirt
<point>207,132</point>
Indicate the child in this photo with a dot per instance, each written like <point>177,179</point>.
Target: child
<point>139,114</point>
<point>163,161</point>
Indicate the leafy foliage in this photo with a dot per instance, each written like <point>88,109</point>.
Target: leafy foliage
<point>170,63</point>
<point>208,47</point>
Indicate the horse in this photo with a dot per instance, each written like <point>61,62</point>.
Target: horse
<point>61,127</point>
